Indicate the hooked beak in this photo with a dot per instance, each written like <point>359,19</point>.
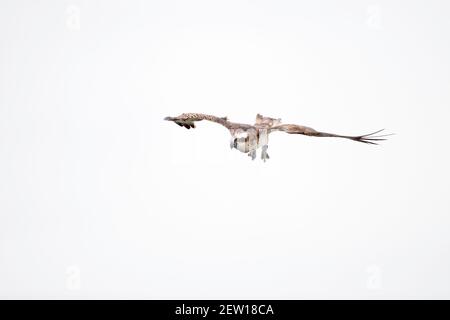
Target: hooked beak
<point>233,144</point>
<point>168,118</point>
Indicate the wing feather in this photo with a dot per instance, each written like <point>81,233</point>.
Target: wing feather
<point>188,120</point>
<point>371,138</point>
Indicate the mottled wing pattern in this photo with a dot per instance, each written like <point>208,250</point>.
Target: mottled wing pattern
<point>187,119</point>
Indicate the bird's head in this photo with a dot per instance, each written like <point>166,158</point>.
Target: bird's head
<point>241,140</point>
<point>233,143</point>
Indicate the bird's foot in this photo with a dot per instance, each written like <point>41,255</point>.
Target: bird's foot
<point>252,154</point>
<point>264,154</point>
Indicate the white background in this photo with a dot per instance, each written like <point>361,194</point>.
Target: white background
<point>101,198</point>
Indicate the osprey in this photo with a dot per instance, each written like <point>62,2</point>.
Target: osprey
<point>249,138</point>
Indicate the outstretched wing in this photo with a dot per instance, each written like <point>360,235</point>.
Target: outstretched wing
<point>187,120</point>
<point>371,138</point>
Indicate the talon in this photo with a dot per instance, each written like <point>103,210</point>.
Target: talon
<point>264,154</point>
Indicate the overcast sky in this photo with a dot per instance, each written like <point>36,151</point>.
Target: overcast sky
<point>101,198</point>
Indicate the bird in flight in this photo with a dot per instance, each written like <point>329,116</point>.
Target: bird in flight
<point>248,138</point>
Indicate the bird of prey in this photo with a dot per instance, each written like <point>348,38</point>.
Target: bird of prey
<point>249,138</point>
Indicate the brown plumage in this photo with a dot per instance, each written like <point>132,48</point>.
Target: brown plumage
<point>248,138</point>
<point>296,129</point>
